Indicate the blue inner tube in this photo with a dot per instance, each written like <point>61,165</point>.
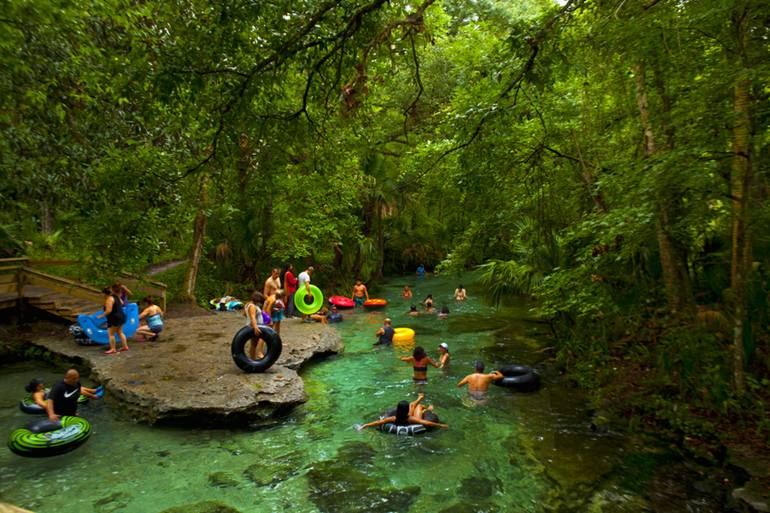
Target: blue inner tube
<point>96,328</point>
<point>45,438</point>
<point>408,430</point>
<point>520,378</point>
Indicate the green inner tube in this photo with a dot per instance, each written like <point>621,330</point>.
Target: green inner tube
<point>309,308</point>
<point>74,431</point>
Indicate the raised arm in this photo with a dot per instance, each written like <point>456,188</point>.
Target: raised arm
<point>377,422</point>
<point>253,318</point>
<point>463,381</point>
<point>415,420</point>
<point>407,359</point>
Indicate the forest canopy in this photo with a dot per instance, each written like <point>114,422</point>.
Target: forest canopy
<point>608,159</point>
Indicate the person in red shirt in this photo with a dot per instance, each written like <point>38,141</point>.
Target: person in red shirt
<point>290,282</point>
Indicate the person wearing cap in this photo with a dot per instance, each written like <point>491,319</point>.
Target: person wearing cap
<point>443,348</point>
<point>385,334</point>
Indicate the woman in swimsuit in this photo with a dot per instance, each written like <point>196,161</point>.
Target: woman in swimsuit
<point>152,316</point>
<point>407,413</point>
<point>254,318</point>
<point>420,361</point>
<point>36,389</point>
<point>428,303</point>
<point>407,293</point>
<point>275,306</point>
<point>116,317</point>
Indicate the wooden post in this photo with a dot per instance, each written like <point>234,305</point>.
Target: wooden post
<point>20,295</point>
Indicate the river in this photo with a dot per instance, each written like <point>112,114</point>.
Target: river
<point>514,452</point>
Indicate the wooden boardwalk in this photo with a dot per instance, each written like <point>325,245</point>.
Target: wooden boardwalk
<point>21,285</point>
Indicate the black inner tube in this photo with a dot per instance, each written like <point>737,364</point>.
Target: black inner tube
<point>520,378</point>
<point>273,347</point>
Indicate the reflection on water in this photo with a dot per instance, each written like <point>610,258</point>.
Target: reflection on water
<point>512,452</point>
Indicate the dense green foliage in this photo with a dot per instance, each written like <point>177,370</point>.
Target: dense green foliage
<point>607,158</point>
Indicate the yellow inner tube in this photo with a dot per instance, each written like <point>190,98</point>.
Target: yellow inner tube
<point>403,335</point>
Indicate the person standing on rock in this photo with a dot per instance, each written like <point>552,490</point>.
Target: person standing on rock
<point>63,397</point>
<point>253,314</point>
<point>275,307</point>
<point>116,318</point>
<point>273,283</point>
<point>290,282</point>
<point>303,283</point>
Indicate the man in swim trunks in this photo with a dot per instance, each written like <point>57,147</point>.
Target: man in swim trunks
<point>478,382</point>
<point>273,283</point>
<point>360,294</point>
<point>63,397</point>
<point>385,334</point>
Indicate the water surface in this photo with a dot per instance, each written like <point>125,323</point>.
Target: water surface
<point>514,452</point>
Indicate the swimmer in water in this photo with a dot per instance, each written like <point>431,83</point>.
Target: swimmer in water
<point>444,313</point>
<point>420,361</point>
<point>478,382</point>
<point>413,311</point>
<point>407,413</point>
<point>36,389</point>
<point>460,293</point>
<point>407,292</point>
<point>428,303</point>
<point>443,348</point>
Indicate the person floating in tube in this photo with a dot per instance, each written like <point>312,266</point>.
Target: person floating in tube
<point>64,395</point>
<point>407,413</point>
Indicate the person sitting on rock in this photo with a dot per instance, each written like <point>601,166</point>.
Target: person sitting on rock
<point>154,322</point>
<point>321,316</point>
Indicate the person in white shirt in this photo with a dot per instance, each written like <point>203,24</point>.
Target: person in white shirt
<point>303,284</point>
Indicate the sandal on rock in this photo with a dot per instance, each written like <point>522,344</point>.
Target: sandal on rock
<point>111,351</point>
<point>122,349</point>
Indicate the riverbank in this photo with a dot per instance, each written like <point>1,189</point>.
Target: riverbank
<point>188,375</point>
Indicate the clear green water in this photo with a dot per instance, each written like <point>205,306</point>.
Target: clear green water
<point>525,453</point>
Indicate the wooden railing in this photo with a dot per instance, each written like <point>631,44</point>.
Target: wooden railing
<point>16,273</point>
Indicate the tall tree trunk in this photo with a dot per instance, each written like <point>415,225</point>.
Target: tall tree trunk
<point>199,232</point>
<point>673,263</point>
<point>46,218</point>
<point>740,192</point>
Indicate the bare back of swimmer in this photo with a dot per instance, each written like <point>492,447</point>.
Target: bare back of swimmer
<point>478,382</point>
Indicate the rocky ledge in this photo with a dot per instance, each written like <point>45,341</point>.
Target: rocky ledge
<point>189,376</point>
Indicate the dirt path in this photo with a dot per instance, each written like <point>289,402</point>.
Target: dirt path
<point>164,266</point>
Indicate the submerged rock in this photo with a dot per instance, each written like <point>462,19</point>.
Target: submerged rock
<point>338,487</point>
<point>202,507</point>
<point>112,502</point>
<point>222,480</point>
